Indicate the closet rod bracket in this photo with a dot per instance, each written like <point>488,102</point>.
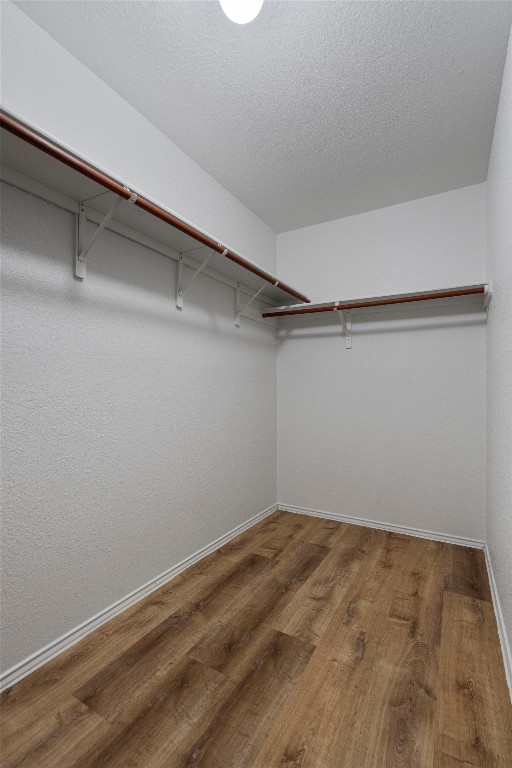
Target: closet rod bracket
<point>180,287</point>
<point>83,247</point>
<point>239,308</point>
<point>346,323</point>
<point>487,295</point>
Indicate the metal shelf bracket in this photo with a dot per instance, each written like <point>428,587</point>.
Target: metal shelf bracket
<point>238,308</point>
<point>180,288</point>
<point>83,247</point>
<point>346,322</point>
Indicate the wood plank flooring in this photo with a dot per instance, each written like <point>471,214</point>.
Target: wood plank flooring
<point>302,643</point>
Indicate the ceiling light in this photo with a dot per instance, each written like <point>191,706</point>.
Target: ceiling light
<point>241,11</point>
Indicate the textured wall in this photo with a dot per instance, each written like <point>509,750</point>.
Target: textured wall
<point>394,429</point>
<point>102,127</point>
<point>499,349</point>
<point>133,434</point>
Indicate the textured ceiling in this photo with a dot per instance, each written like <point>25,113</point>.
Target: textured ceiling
<point>314,111</point>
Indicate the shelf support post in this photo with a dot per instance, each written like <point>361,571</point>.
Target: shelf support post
<point>83,247</point>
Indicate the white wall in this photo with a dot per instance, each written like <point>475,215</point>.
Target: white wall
<point>51,90</point>
<point>133,434</point>
<point>499,349</point>
<point>394,429</point>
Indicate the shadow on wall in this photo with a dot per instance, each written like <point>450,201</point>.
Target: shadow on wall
<point>446,314</point>
<point>123,276</point>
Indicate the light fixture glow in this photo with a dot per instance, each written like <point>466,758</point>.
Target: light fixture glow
<point>241,11</point>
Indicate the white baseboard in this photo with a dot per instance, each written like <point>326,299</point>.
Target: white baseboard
<point>505,645</point>
<point>418,532</point>
<point>37,659</point>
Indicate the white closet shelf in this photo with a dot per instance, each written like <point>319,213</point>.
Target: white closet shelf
<point>375,303</point>
<point>27,152</point>
<point>98,197</point>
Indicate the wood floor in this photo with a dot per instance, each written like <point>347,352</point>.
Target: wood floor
<point>302,643</point>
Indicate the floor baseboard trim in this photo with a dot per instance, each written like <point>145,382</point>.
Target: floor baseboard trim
<point>505,645</point>
<point>37,659</point>
<point>418,532</point>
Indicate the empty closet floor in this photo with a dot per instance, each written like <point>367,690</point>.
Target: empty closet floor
<point>301,643</point>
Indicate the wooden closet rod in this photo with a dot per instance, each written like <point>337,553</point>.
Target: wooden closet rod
<point>376,302</point>
<point>86,169</point>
